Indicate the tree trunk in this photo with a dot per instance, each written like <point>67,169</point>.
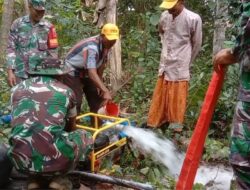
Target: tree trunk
<point>219,26</point>
<point>7,17</point>
<point>26,6</point>
<point>100,13</point>
<point>106,13</point>
<point>115,61</point>
<point>87,3</point>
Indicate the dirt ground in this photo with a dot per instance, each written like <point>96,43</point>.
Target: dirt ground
<point>22,185</point>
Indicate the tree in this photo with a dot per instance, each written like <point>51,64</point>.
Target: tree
<point>7,18</point>
<point>220,25</point>
<point>88,3</point>
<point>106,12</point>
<point>26,6</point>
<point>115,61</point>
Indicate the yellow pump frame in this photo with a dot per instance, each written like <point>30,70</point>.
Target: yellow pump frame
<point>95,130</point>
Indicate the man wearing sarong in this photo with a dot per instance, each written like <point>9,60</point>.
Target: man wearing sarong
<point>181,37</point>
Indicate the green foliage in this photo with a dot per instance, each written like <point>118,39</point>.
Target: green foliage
<point>201,74</point>
<point>145,169</point>
<point>1,11</point>
<point>234,9</point>
<point>4,105</point>
<point>198,186</point>
<point>141,52</point>
<point>229,92</point>
<point>138,6</point>
<point>18,9</point>
<point>215,150</point>
<point>233,185</point>
<point>4,93</point>
<point>73,22</point>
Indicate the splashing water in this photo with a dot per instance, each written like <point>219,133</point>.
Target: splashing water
<point>162,150</point>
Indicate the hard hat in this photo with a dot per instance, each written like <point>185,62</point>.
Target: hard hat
<point>110,31</point>
<point>168,4</point>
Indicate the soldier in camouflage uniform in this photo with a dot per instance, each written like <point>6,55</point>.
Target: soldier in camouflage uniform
<point>43,109</point>
<point>29,36</point>
<point>240,137</point>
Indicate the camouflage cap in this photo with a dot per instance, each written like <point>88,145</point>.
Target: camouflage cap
<point>47,66</point>
<point>38,4</point>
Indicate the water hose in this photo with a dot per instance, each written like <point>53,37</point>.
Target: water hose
<point>195,148</point>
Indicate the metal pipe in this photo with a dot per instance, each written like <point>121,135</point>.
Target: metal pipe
<point>113,180</point>
<point>99,178</point>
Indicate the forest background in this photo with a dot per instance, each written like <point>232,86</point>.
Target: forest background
<point>140,55</point>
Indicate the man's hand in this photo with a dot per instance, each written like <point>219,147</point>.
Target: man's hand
<point>11,78</point>
<point>107,97</point>
<point>70,124</point>
<point>223,57</point>
<point>160,29</point>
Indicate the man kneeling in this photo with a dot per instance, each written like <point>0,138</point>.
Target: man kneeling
<point>44,142</point>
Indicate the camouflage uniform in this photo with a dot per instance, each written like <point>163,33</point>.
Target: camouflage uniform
<point>240,141</point>
<point>27,40</point>
<point>39,144</point>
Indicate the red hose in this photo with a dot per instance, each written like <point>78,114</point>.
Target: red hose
<point>195,148</point>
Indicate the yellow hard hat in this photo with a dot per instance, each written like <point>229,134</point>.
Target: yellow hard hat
<point>168,4</point>
<point>110,31</point>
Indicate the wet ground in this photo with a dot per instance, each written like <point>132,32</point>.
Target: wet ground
<point>217,177</point>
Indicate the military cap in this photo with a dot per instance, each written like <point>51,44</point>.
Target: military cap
<point>47,66</point>
<point>38,4</point>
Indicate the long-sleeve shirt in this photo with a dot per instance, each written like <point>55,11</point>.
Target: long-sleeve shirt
<point>27,41</point>
<point>181,41</point>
